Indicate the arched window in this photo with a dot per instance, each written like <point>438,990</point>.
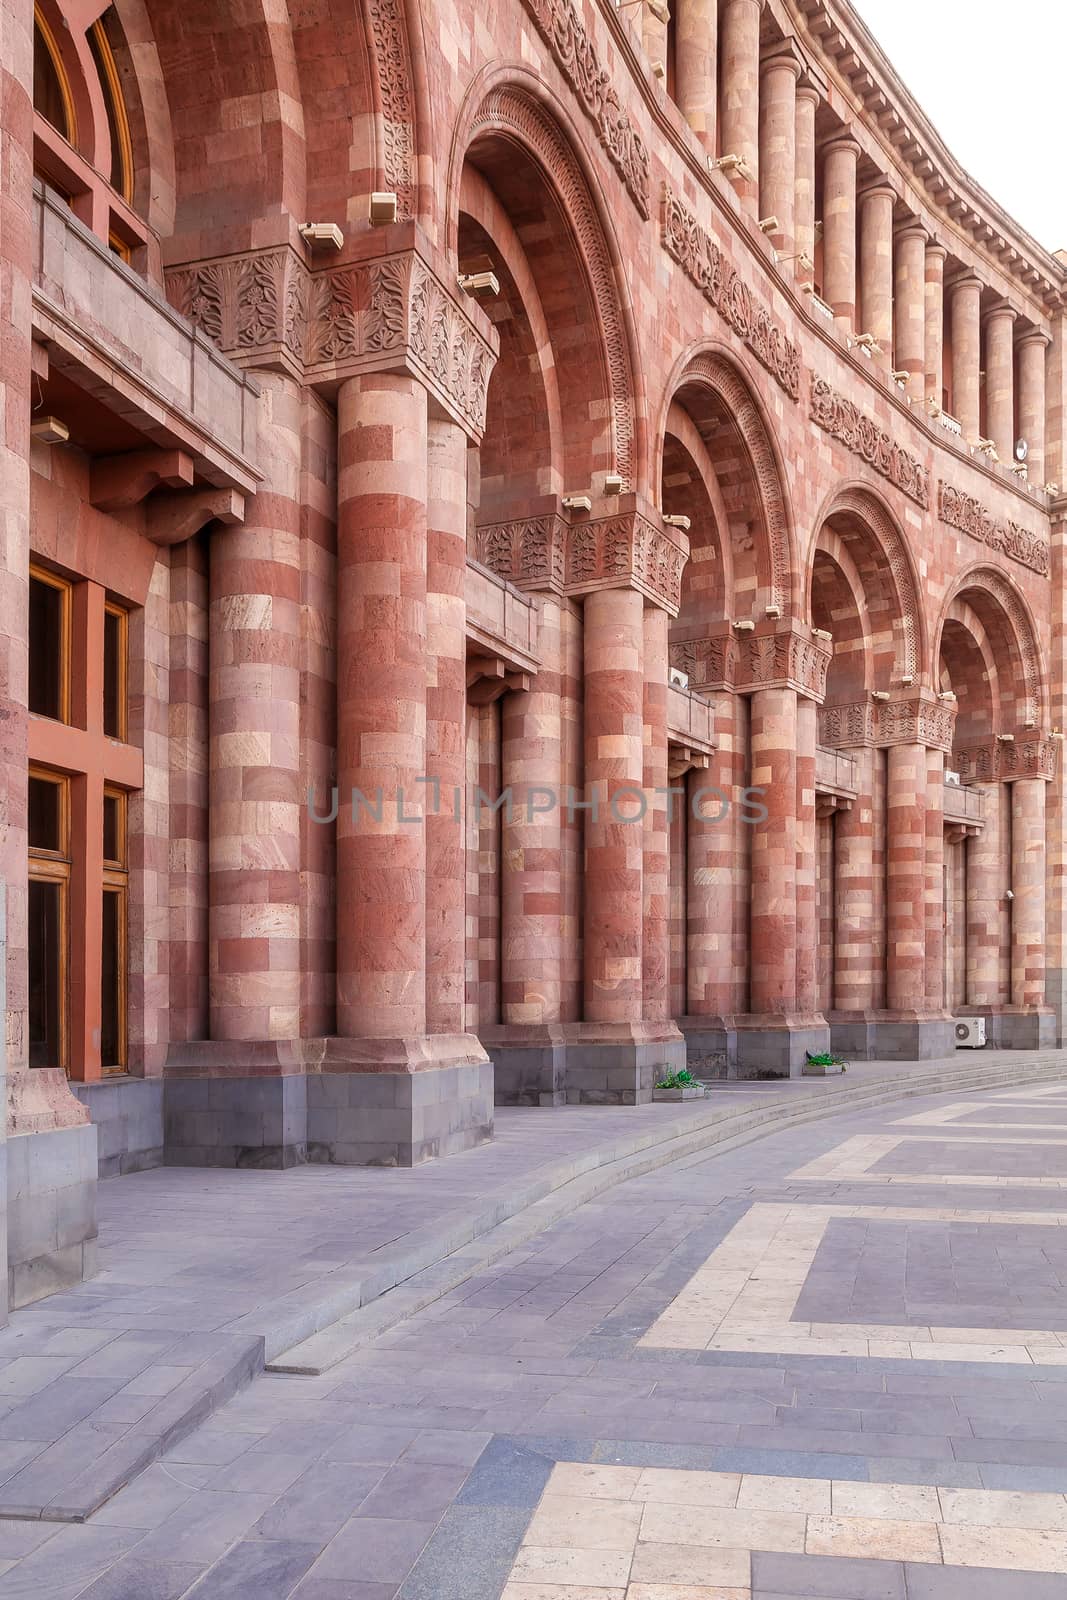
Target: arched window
<point>121,175</point>
<point>51,89</point>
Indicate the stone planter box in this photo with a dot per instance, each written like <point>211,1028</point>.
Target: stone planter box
<point>814,1069</point>
<point>689,1091</point>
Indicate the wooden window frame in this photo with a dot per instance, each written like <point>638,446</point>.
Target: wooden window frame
<point>111,609</point>
<point>111,88</point>
<point>54,866</point>
<point>66,640</point>
<point>117,882</point>
<point>48,38</point>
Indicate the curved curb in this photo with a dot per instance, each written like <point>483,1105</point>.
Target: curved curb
<point>441,1261</point>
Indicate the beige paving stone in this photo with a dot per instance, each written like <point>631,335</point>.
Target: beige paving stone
<point>897,1501</point>
<point>560,1591</point>
<point>1003,1508</point>
<point>692,1564</point>
<point>562,1565</point>
<point>679,1487</point>
<point>1025,1549</point>
<point>727,1529</point>
<point>601,1482</point>
<point>807,1495</point>
<point>876,1538</point>
<point>572,1522</point>
<point>684,1591</point>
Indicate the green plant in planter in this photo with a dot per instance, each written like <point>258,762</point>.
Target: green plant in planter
<point>825,1058</point>
<point>682,1079</point>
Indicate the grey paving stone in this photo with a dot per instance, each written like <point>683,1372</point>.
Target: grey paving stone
<point>314,1588</point>
<point>791,1463</point>
<point>414,1491</point>
<point>258,1570</point>
<point>134,1579</point>
<point>979,1583</point>
<point>374,1550</point>
<point>204,1526</point>
<point>318,1503</point>
<point>372,1444</point>
<point>148,1501</point>
<point>1042,1479</point>
<point>447,1448</point>
<point>470,1555</point>
<point>826,1577</point>
<point>76,1556</point>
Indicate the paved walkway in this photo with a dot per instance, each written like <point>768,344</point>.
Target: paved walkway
<point>830,1363</point>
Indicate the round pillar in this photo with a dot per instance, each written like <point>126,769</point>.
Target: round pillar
<point>807,103</point>
<point>966,355</point>
<point>1032,347</point>
<point>715,967</point>
<point>839,228</point>
<point>807,861</point>
<point>855,985</point>
<point>986,884</point>
<point>909,280</point>
<point>777,146</point>
<point>614,778</point>
<point>906,792</point>
<point>254,855</point>
<point>934,341</point>
<point>532,910</point>
<point>381,707</point>
<point>1000,380</point>
<point>739,109</point>
<point>656,935</point>
<point>1028,889</point>
<point>446,713</point>
<point>773,743</point>
<point>696,65</point>
<point>876,265</point>
<point>935,880</point>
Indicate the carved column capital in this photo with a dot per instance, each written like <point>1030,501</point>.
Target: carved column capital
<point>398,312</point>
<point>627,550</point>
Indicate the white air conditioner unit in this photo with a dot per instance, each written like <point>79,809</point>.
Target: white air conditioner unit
<point>679,679</point>
<point>970,1033</point>
<point>952,779</point>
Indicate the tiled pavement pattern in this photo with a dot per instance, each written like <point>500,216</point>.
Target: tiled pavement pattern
<point>444,1462</point>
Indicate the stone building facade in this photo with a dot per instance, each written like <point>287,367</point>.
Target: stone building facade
<point>515,574</point>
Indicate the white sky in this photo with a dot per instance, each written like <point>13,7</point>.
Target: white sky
<point>991,76</point>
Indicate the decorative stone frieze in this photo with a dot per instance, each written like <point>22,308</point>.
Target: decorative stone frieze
<point>787,658</point>
<point>529,552</point>
<point>686,242</point>
<point>858,433</point>
<point>392,85</point>
<point>1029,755</point>
<point>559,24</point>
<point>626,551</point>
<point>913,719</point>
<point>963,511</point>
<point>392,313</point>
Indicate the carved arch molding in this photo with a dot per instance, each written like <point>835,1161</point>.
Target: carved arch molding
<point>717,374</point>
<point>986,580</point>
<point>853,502</point>
<point>508,110</point>
<point>387,34</point>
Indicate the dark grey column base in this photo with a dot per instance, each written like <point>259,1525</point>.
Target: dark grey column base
<point>912,1039</point>
<point>777,1046</point>
<point>51,1211</point>
<point>582,1063</point>
<point>1009,1029</point>
<point>128,1116</point>
<point>620,1072</point>
<point>398,1119</point>
<point>235,1121</point>
<point>529,1064</point>
<point>711,1046</point>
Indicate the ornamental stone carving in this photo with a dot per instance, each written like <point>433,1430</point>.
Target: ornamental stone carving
<point>1028,755</point>
<point>686,242</point>
<point>913,719</point>
<point>626,550</point>
<point>396,100</point>
<point>858,433</point>
<point>267,309</point>
<point>970,516</point>
<point>529,552</point>
<point>559,25</point>
<point>788,658</point>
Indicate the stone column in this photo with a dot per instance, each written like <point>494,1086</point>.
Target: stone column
<point>935,880</point>
<point>614,777</point>
<point>712,805</point>
<point>777,146</point>
<point>653,36</point>
<point>807,103</point>
<point>1032,347</point>
<point>854,974</point>
<point>935,322</point>
<point>839,229</point>
<point>876,265</point>
<point>774,853</point>
<point>906,878</point>
<point>1028,888</point>
<point>739,109</point>
<point>656,934</point>
<point>909,277</point>
<point>966,355</point>
<point>696,65</point>
<point>1000,380</point>
<point>254,630</point>
<point>985,905</point>
<point>381,722</point>
<point>446,714</point>
<point>807,861</point>
<point>16,228</point>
